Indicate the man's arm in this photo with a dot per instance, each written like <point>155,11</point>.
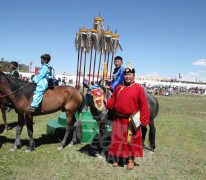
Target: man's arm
<point>41,74</point>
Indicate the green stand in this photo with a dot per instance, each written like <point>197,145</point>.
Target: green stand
<point>56,127</point>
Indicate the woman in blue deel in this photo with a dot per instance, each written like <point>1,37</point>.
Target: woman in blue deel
<point>41,81</point>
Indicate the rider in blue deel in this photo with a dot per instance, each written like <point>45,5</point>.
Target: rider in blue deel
<point>41,81</point>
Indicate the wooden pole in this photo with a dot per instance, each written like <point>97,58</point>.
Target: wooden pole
<point>108,54</point>
<point>94,64</point>
<point>85,59</point>
<point>100,58</point>
<point>80,67</point>
<point>105,68</point>
<point>112,61</point>
<point>77,68</point>
<point>90,64</point>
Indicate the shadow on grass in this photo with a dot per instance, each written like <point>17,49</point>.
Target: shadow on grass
<point>10,126</point>
<point>43,140</point>
<point>97,145</point>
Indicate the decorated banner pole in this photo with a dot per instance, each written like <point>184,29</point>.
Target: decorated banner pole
<point>100,58</point>
<point>99,26</point>
<point>112,60</point>
<point>105,73</point>
<point>85,60</point>
<point>77,45</point>
<point>116,44</point>
<point>83,48</point>
<point>94,45</point>
<point>92,42</point>
<point>107,44</point>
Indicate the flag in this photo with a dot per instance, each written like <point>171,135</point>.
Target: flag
<point>36,70</point>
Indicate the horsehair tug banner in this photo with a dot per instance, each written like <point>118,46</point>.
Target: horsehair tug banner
<point>95,44</point>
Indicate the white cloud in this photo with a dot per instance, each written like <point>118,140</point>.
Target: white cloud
<point>202,71</point>
<point>200,62</point>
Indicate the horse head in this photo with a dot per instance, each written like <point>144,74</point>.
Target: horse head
<point>9,85</point>
<point>95,99</point>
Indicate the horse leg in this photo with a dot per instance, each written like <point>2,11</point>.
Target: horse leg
<point>104,136</point>
<point>74,131</point>
<point>101,126</point>
<point>68,129</point>
<point>74,137</point>
<point>29,125</point>
<point>3,111</point>
<point>144,132</point>
<point>77,133</point>
<point>19,128</point>
<point>152,132</point>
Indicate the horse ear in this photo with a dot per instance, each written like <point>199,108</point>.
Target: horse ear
<point>99,82</point>
<point>86,85</point>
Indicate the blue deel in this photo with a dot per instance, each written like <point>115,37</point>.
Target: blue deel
<point>41,80</point>
<point>117,77</point>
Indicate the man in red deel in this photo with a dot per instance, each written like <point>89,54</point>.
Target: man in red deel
<point>127,99</point>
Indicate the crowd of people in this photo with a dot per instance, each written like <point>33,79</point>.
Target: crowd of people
<point>160,89</point>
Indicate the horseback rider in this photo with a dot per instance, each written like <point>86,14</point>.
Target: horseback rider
<point>41,81</point>
<point>13,72</point>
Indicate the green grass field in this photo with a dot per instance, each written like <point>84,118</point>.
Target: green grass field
<point>180,149</point>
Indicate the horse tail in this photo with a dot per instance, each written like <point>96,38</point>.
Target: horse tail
<point>82,104</point>
<point>157,106</point>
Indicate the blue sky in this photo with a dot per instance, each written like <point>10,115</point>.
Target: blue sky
<point>161,38</point>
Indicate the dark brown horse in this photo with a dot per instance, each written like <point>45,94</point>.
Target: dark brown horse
<point>20,93</point>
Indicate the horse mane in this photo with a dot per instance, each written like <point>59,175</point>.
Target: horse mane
<point>18,86</point>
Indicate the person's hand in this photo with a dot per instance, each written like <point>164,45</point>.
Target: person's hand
<point>107,87</point>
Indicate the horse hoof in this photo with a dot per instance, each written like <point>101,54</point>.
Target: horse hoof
<point>59,148</point>
<point>5,131</point>
<point>12,149</point>
<point>71,144</point>
<point>100,157</point>
<point>28,151</point>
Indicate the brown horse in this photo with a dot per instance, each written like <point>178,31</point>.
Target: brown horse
<point>20,93</point>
